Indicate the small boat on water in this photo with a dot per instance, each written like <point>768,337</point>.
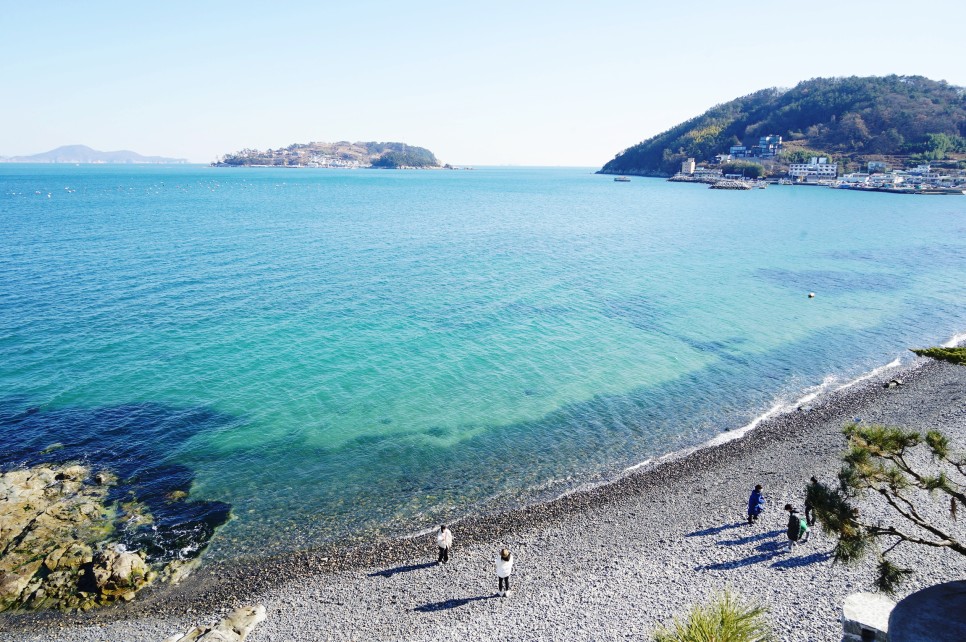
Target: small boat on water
<point>621,179</point>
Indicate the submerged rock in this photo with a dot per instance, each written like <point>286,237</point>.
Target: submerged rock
<point>234,628</point>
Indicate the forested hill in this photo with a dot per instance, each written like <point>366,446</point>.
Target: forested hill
<point>341,154</point>
<point>890,116</point>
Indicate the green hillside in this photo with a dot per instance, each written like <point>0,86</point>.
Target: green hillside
<point>895,117</point>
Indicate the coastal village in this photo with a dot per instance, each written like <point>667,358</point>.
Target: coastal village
<point>879,176</point>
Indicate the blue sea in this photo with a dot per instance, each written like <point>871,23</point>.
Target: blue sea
<point>319,355</point>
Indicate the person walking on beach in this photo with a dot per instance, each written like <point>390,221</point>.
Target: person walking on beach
<point>504,568</point>
<point>756,504</point>
<point>797,527</point>
<point>809,508</point>
<point>444,539</point>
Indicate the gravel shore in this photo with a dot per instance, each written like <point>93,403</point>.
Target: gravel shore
<point>605,564</point>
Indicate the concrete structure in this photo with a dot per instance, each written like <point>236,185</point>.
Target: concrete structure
<point>855,179</point>
<point>865,617</point>
<point>687,167</point>
<point>704,172</point>
<point>817,168</point>
<point>936,613</point>
<point>738,151</point>
<point>924,171</point>
<point>878,166</point>
<point>768,146</point>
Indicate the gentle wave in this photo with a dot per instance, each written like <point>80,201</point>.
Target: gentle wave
<point>779,407</point>
<point>895,363</point>
<point>956,341</point>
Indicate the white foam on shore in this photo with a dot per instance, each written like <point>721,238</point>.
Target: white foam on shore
<point>895,363</point>
<point>955,341</point>
<point>425,531</point>
<point>636,466</point>
<point>780,407</point>
<point>831,383</point>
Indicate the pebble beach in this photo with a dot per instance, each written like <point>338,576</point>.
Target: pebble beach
<point>607,563</point>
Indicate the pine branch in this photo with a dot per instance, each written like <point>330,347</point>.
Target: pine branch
<point>905,537</point>
<point>914,517</point>
<point>900,461</point>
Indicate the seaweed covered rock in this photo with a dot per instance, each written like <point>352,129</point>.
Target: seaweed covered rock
<point>58,540</point>
<point>49,520</point>
<point>119,573</point>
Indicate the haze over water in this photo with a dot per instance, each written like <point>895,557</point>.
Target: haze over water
<point>339,352</point>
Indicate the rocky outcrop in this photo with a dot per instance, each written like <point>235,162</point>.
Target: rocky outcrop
<point>234,628</point>
<point>56,549</point>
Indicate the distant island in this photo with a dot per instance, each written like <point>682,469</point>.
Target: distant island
<point>342,154</point>
<point>84,155</point>
<point>857,124</point>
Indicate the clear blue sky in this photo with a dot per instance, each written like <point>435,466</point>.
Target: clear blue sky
<point>537,83</point>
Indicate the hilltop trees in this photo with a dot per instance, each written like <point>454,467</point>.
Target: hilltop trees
<point>408,157</point>
<point>935,146</point>
<point>745,168</point>
<point>890,115</point>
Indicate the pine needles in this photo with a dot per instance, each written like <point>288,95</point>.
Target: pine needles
<point>725,619</point>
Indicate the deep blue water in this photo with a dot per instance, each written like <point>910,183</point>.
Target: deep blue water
<point>339,352</point>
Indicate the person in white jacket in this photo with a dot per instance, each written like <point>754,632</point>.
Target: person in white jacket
<point>504,568</point>
<point>444,539</point>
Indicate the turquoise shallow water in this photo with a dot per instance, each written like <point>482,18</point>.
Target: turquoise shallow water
<point>336,352</point>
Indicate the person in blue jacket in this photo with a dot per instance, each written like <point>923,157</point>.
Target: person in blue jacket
<point>756,504</point>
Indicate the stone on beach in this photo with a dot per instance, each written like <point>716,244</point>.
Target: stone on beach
<point>234,628</point>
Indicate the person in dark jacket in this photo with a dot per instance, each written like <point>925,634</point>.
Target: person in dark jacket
<point>809,509</point>
<point>756,504</point>
<point>795,529</point>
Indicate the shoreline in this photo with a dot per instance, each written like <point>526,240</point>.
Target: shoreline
<point>221,586</point>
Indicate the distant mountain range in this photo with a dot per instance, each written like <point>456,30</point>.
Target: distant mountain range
<point>84,154</point>
<point>893,118</point>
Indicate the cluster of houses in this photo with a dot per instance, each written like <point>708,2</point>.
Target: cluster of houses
<point>819,170</point>
<point>322,160</point>
<point>921,179</point>
<point>288,158</point>
<point>767,147</point>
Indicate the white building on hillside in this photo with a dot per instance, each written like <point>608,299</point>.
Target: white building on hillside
<point>816,168</point>
<point>687,167</point>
